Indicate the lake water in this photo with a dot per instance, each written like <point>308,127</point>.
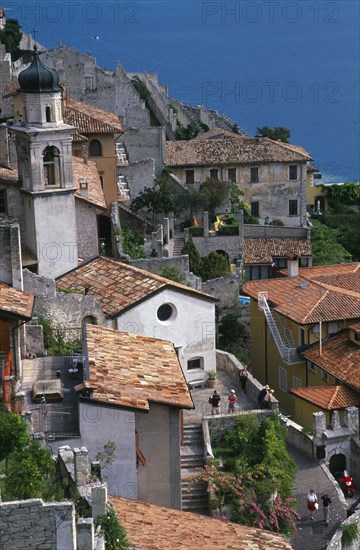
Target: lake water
<point>273,63</point>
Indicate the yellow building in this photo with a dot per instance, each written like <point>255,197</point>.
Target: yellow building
<point>291,316</point>
<point>315,196</point>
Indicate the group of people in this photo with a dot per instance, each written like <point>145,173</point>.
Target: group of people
<point>313,505</point>
<point>215,402</point>
<point>265,397</point>
<point>215,399</point>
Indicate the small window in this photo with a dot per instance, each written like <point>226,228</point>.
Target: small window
<point>254,174</point>
<point>47,114</point>
<point>232,175</point>
<point>95,148</point>
<point>283,379</point>
<point>51,166</point>
<point>325,376</point>
<point>195,363</point>
<point>214,174</point>
<point>165,312</point>
<point>190,177</point>
<point>302,338</point>
<point>255,209</point>
<point>304,262</point>
<point>293,208</point>
<point>3,201</point>
<point>311,367</point>
<point>297,383</point>
<point>293,172</point>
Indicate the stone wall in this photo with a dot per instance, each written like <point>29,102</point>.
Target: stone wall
<point>225,289</point>
<point>35,525</point>
<point>273,231</point>
<point>87,231</point>
<point>181,263</point>
<point>65,309</point>
<point>145,143</point>
<point>10,253</point>
<point>335,542</point>
<point>233,246</point>
<point>138,175</point>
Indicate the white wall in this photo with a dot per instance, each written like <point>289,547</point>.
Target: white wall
<point>192,327</point>
<point>98,425</point>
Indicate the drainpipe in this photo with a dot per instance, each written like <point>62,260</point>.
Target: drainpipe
<point>266,354</point>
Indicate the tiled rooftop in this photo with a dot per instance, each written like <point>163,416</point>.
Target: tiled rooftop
<point>326,293</point>
<point>119,286</point>
<point>81,170</point>
<point>154,527</point>
<point>91,120</point>
<point>222,147</point>
<point>133,371</point>
<point>340,357</point>
<point>355,328</point>
<point>262,251</point>
<point>8,175</point>
<point>16,303</point>
<point>329,398</point>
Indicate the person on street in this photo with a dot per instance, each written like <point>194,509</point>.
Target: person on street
<point>326,502</point>
<point>312,503</point>
<point>232,399</point>
<point>215,401</point>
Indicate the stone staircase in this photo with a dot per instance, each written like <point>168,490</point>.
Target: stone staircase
<point>123,189</point>
<point>178,245</point>
<point>196,499</point>
<point>121,156</point>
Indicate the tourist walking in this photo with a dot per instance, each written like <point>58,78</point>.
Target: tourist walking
<point>243,375</point>
<point>326,502</point>
<point>215,401</point>
<point>312,503</point>
<point>232,401</point>
<point>261,396</point>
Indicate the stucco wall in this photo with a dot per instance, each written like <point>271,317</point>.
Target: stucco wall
<point>87,232</point>
<point>192,327</point>
<point>161,448</point>
<point>98,425</point>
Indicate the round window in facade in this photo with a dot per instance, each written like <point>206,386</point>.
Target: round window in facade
<point>165,312</point>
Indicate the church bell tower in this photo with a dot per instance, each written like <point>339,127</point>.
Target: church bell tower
<point>44,155</point>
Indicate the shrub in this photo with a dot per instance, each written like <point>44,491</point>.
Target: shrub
<point>213,266</point>
<point>114,532</point>
<point>350,534</point>
<point>228,230</point>
<point>172,273</point>
<point>132,243</point>
<point>196,231</point>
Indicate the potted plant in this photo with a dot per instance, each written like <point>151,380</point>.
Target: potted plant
<point>211,378</point>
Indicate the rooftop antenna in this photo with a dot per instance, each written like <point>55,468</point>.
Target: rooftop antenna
<point>34,31</point>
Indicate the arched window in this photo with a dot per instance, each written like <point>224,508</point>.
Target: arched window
<point>95,148</point>
<point>51,164</point>
<point>47,114</point>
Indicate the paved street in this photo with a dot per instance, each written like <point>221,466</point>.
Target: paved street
<point>310,475</point>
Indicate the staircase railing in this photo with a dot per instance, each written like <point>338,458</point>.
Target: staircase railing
<point>288,354</point>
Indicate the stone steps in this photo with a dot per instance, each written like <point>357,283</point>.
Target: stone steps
<point>178,245</point>
<point>196,499</point>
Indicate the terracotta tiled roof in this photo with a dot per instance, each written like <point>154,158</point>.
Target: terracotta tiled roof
<point>221,147</point>
<point>329,398</point>
<point>15,303</point>
<point>119,286</point>
<point>355,328</point>
<point>152,527</point>
<point>262,251</point>
<point>340,357</point>
<point>8,175</point>
<point>133,371</point>
<point>91,120</point>
<point>95,194</point>
<point>310,298</point>
<point>311,168</point>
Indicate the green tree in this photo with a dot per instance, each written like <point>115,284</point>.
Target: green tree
<point>190,131</point>
<point>213,266</point>
<point>348,193</point>
<point>14,435</point>
<point>28,473</point>
<point>171,272</point>
<point>157,199</point>
<point>11,36</point>
<point>214,193</point>
<point>277,133</point>
<point>132,242</point>
<point>195,260</point>
<point>325,246</point>
<point>230,331</point>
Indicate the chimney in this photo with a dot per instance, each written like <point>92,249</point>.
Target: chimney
<point>293,265</point>
<point>84,187</point>
<point>84,153</point>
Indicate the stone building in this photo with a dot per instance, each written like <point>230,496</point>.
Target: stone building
<point>271,174</point>
<point>143,303</point>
